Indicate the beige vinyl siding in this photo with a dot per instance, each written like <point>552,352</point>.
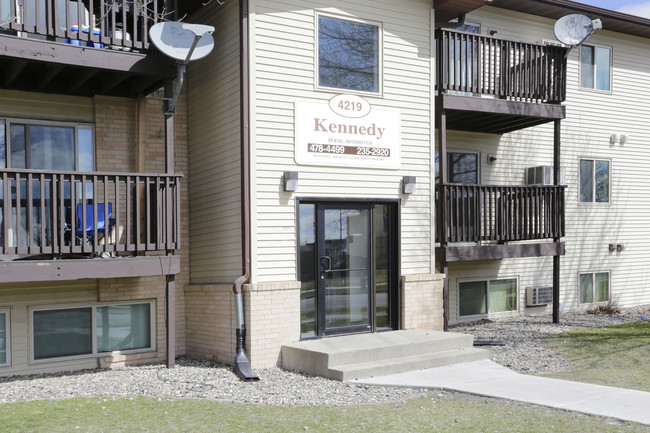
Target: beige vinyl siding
<point>283,68</point>
<point>29,105</point>
<point>19,298</point>
<point>591,117</point>
<point>215,215</point>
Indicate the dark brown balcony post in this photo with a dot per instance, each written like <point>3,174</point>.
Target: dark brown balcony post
<point>442,163</point>
<point>169,168</point>
<point>556,258</point>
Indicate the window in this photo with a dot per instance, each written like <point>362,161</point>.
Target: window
<point>594,181</point>
<point>46,146</point>
<point>5,341</point>
<point>483,297</point>
<point>594,287</point>
<point>91,330</point>
<point>348,55</point>
<point>595,67</point>
<point>462,167</point>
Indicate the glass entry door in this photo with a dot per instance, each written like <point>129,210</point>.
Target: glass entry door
<point>347,268</point>
<point>344,267</point>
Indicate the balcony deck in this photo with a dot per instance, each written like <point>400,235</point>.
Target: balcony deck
<point>485,222</point>
<point>50,222</point>
<point>497,86</point>
<point>44,47</point>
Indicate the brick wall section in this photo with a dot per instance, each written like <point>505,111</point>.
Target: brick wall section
<point>116,135</point>
<point>422,306</point>
<point>273,319</point>
<point>272,315</point>
<point>210,322</point>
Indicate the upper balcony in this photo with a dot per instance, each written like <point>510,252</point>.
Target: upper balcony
<point>82,48</point>
<point>497,86</point>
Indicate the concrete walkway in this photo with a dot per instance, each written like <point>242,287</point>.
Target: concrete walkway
<point>488,379</point>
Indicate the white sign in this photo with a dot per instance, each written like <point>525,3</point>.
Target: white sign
<point>347,131</point>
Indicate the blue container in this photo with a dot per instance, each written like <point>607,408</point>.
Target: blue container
<point>96,32</point>
<point>74,28</point>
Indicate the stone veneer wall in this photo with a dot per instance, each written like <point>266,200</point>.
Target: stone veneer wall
<point>272,315</point>
<point>422,306</point>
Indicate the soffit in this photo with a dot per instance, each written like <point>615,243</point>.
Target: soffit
<point>613,21</point>
<point>447,10</point>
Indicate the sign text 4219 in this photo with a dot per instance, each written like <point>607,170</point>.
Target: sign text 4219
<point>348,150</point>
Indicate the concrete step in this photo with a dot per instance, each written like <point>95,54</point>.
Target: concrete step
<point>365,355</point>
<point>407,363</point>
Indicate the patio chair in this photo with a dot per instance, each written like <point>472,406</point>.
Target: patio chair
<point>90,229</point>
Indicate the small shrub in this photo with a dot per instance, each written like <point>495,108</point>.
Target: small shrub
<point>608,309</point>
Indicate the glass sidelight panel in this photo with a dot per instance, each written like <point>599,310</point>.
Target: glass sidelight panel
<point>345,267</point>
<point>308,271</point>
<point>381,231</point>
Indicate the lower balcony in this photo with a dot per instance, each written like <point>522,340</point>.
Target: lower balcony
<point>58,225</point>
<point>487,222</point>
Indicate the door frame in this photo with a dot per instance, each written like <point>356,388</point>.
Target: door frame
<point>394,261</point>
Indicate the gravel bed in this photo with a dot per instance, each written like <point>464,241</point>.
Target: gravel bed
<point>523,351</point>
<point>203,379</point>
<point>200,379</point>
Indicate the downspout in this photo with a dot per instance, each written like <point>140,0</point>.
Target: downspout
<point>241,363</point>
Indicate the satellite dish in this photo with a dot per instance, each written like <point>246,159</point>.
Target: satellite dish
<point>182,41</point>
<point>573,29</point>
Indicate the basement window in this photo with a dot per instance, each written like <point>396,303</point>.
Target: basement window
<point>477,298</point>
<point>5,341</point>
<point>86,331</point>
<point>594,287</point>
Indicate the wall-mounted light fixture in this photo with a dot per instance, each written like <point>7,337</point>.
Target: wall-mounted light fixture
<point>290,181</point>
<point>624,139</point>
<point>613,138</point>
<point>620,247</point>
<point>491,159</point>
<point>408,184</point>
<point>612,248</point>
<point>616,247</point>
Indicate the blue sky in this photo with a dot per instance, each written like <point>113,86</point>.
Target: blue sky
<point>633,7</point>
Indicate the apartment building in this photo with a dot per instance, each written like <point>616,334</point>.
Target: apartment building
<point>347,167</point>
<point>596,233</point>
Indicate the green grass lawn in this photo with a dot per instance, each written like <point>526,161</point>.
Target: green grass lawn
<point>426,414</point>
<point>614,355</point>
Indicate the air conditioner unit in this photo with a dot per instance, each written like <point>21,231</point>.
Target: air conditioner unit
<point>543,175</point>
<point>538,296</point>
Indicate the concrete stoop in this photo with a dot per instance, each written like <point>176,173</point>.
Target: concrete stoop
<point>362,356</point>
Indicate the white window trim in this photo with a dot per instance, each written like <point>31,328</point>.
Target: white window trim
<point>487,288</point>
<point>595,203</point>
<point>611,70</point>
<point>609,286</point>
<point>380,53</point>
<point>7,312</point>
<point>93,307</point>
<point>75,125</point>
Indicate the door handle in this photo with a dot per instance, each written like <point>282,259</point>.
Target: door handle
<point>325,260</point>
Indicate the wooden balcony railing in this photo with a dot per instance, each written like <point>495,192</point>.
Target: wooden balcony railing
<point>118,24</point>
<point>57,213</point>
<point>476,64</point>
<point>475,213</point>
